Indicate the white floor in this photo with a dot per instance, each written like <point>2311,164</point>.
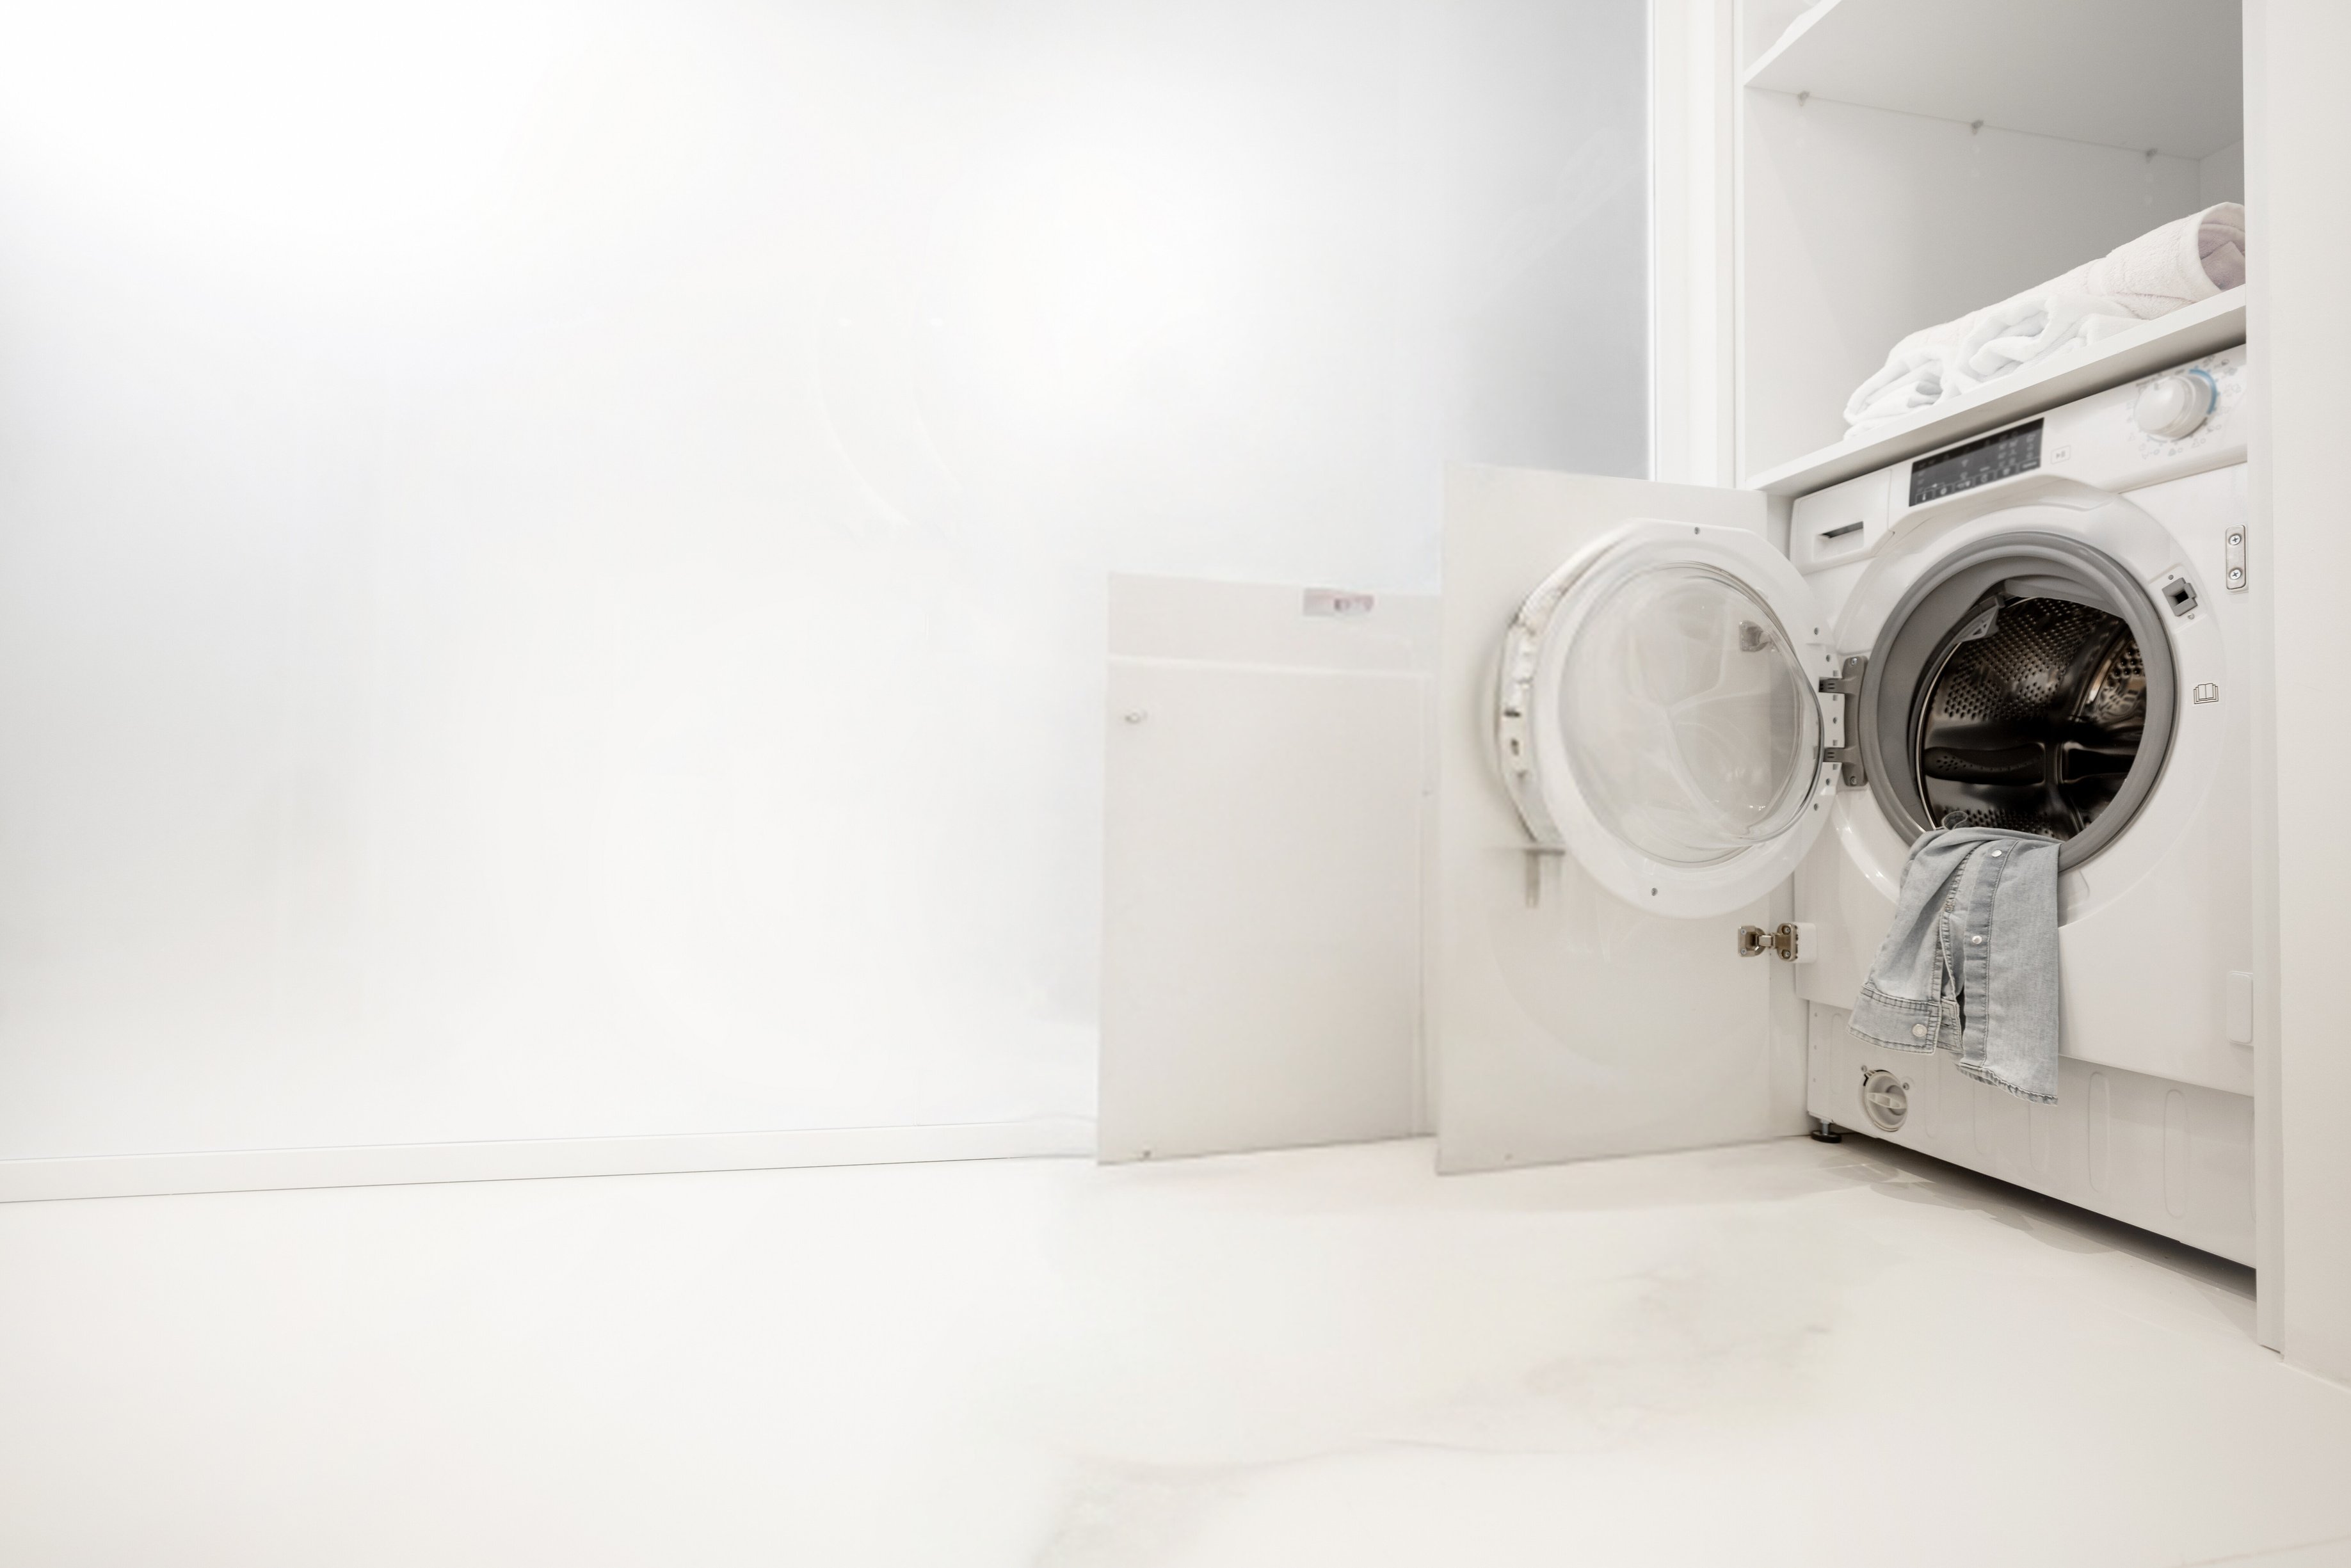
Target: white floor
<point>1780,1354</point>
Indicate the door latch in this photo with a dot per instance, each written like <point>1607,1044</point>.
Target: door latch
<point>1847,757</point>
<point>1790,940</point>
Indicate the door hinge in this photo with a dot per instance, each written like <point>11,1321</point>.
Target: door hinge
<point>1789,939</point>
<point>1849,686</point>
<point>2235,557</point>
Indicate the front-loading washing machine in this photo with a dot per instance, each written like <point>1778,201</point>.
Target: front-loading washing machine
<point>1687,742</point>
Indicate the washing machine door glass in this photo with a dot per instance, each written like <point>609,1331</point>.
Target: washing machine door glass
<point>1687,718</point>
<point>1661,715</point>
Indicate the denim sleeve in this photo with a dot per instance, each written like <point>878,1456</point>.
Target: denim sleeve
<point>1971,962</point>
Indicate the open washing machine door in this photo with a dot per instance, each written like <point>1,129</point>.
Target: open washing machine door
<point>1659,716</point>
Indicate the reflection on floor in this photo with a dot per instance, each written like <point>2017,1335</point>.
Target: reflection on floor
<point>1779,1353</point>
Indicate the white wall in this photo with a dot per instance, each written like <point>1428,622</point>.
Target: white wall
<point>2221,177</point>
<point>551,556</point>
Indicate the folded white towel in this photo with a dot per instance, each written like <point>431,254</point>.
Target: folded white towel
<point>2179,263</point>
<point>2190,259</point>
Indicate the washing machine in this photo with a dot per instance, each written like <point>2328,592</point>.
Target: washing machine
<point>1689,736</point>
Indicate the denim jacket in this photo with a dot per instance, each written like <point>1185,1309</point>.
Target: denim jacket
<point>1971,961</point>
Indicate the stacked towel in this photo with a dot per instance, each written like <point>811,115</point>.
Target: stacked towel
<point>2180,263</point>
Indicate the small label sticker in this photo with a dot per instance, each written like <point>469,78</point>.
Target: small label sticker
<point>1333,601</point>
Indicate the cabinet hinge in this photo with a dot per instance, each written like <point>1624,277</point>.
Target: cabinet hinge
<point>1785,940</point>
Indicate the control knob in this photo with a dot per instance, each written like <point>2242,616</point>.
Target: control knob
<point>2175,405</point>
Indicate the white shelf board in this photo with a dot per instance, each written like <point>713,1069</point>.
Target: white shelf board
<point>2162,74</point>
<point>2205,328</point>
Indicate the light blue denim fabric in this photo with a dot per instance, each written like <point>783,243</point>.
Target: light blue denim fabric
<point>1971,961</point>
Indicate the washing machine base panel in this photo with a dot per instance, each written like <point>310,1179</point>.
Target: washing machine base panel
<point>2170,1157</point>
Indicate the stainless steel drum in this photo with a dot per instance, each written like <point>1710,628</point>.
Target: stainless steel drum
<point>2026,681</point>
<point>2031,720</point>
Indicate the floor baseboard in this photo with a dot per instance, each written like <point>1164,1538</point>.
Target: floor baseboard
<point>394,1165</point>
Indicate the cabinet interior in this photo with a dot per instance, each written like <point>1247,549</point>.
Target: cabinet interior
<point>1904,161</point>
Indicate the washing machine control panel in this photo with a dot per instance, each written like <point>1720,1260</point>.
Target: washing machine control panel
<point>2180,421</point>
<point>2002,455</point>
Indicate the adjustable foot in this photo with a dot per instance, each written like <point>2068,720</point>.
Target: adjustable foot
<point>1827,1133</point>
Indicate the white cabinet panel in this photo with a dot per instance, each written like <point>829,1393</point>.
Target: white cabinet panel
<point>2300,207</point>
<point>1262,868</point>
<point>1565,1022</point>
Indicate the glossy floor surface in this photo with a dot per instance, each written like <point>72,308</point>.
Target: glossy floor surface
<point>1779,1353</point>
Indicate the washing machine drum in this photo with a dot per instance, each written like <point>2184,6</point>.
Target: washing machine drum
<point>2023,683</point>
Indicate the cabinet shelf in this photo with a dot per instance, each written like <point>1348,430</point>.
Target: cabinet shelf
<point>2164,75</point>
<point>2205,328</point>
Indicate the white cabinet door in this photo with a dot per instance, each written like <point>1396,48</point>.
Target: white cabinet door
<point>1264,824</point>
<point>1630,763</point>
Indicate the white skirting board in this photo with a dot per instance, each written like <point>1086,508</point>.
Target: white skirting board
<point>394,1165</point>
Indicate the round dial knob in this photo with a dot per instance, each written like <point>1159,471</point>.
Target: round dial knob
<point>2173,406</point>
